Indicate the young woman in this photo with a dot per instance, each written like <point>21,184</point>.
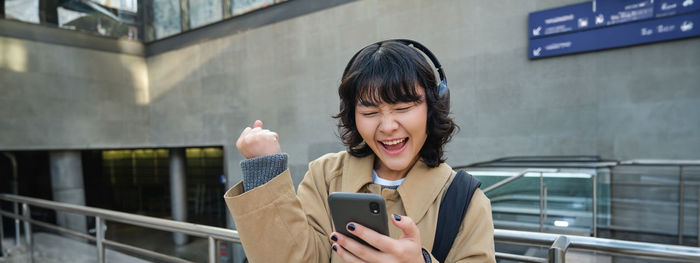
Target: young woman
<point>394,121</point>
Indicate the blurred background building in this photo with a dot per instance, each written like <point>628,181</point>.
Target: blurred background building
<point>135,106</point>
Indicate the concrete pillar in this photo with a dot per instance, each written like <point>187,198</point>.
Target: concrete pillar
<point>178,191</point>
<point>67,186</point>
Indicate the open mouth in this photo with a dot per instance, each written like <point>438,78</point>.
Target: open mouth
<point>395,146</point>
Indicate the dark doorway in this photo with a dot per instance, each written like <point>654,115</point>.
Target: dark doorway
<point>33,180</point>
<point>138,181</point>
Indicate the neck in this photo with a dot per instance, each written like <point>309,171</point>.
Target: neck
<point>385,172</point>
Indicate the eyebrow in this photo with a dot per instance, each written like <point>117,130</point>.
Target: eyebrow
<point>367,104</point>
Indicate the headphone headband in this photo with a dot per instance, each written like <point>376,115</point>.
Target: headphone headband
<point>442,86</point>
<point>425,51</point>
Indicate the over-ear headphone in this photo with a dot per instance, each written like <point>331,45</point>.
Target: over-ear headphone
<point>443,92</point>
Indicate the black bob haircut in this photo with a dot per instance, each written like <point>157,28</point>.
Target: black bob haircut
<point>390,72</point>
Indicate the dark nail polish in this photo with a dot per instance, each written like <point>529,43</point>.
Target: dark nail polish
<point>335,248</point>
<point>397,217</point>
<point>334,238</point>
<point>351,227</point>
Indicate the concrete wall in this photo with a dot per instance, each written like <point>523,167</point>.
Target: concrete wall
<point>635,102</point>
<point>60,97</point>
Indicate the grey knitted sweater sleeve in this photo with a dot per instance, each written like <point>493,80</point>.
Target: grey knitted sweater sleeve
<point>260,170</point>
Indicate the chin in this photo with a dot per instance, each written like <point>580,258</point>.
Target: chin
<point>397,165</point>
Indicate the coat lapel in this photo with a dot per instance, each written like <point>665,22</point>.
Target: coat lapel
<point>357,172</point>
<point>422,187</point>
<point>418,192</point>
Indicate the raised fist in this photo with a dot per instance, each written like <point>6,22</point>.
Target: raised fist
<point>258,142</point>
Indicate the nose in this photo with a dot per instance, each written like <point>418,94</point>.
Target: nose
<point>388,124</point>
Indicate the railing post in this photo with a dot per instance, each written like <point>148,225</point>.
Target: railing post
<point>212,250</point>
<point>2,237</point>
<point>28,230</point>
<point>27,226</point>
<point>698,216</point>
<point>14,185</point>
<point>595,204</point>
<point>681,202</point>
<point>17,225</point>
<point>99,238</point>
<point>544,210</point>
<point>557,252</point>
<point>543,203</point>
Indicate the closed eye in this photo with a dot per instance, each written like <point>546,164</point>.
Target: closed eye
<point>368,114</point>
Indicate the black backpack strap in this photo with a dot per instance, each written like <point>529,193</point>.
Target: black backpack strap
<point>452,209</point>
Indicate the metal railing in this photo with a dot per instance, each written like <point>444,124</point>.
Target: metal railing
<point>520,174</point>
<point>681,187</point>
<point>558,244</point>
<point>213,234</point>
<point>543,162</point>
<point>589,162</point>
<point>543,194</point>
<point>542,187</point>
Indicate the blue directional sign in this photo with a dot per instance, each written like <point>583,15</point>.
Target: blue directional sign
<point>562,20</point>
<point>623,11</point>
<point>675,7</point>
<point>673,27</point>
<point>603,24</point>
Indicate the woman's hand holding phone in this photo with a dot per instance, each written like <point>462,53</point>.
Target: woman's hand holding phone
<point>405,249</point>
<point>257,142</point>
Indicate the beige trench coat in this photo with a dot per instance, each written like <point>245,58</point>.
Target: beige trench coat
<point>277,225</point>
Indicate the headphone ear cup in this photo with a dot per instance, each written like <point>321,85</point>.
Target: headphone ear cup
<point>444,92</point>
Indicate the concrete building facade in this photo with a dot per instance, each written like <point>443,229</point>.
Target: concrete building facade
<point>633,102</point>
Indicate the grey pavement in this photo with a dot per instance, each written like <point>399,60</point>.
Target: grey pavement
<point>50,248</point>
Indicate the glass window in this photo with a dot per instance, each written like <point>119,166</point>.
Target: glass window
<point>125,18</point>
<point>23,10</point>
<point>125,5</point>
<point>243,6</point>
<point>166,18</point>
<point>203,12</point>
<point>120,19</point>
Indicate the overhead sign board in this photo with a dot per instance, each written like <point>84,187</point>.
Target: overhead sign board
<point>623,11</point>
<point>664,8</point>
<point>674,27</point>
<point>562,20</point>
<point>604,24</point>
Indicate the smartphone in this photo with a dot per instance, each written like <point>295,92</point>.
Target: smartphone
<point>368,210</point>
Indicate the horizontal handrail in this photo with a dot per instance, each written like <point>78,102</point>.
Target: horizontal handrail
<point>543,165</point>
<point>139,220</point>
<point>48,226</point>
<point>520,258</point>
<point>660,162</point>
<point>124,247</point>
<point>531,159</point>
<point>155,255</point>
<point>514,177</point>
<point>535,227</point>
<point>659,184</point>
<point>572,164</point>
<point>640,249</point>
<point>645,230</point>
